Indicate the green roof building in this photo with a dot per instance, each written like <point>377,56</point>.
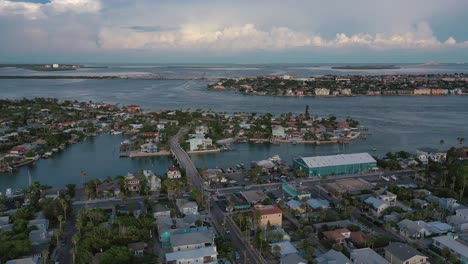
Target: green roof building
<point>335,164</point>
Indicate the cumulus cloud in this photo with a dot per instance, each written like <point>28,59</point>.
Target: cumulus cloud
<point>42,10</point>
<point>250,37</point>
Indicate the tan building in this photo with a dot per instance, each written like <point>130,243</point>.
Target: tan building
<point>322,91</point>
<point>399,253</point>
<point>422,91</point>
<point>270,214</point>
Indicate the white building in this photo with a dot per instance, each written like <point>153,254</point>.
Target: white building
<point>206,255</point>
<point>187,207</point>
<point>173,173</point>
<point>55,66</point>
<point>378,205</point>
<point>199,142</point>
<point>452,242</point>
<point>201,129</point>
<point>192,240</point>
<point>278,132</point>
<point>322,91</point>
<point>346,92</point>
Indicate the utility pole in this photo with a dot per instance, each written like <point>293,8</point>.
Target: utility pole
<point>245,256</point>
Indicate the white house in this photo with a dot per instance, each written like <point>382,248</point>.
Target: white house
<point>378,205</point>
<point>149,148</point>
<point>278,132</point>
<point>200,142</point>
<point>201,129</point>
<point>173,173</point>
<point>206,255</point>
<point>187,207</point>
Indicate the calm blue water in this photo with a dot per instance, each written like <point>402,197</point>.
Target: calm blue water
<point>395,123</point>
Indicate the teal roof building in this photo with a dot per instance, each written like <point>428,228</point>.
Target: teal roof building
<point>335,164</point>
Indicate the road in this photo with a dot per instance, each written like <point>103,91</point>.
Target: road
<point>249,255</point>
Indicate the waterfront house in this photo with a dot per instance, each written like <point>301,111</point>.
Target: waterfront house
<point>132,109</point>
<point>270,214</point>
<point>338,236</point>
<point>377,205</point>
<point>132,183</point>
<point>322,91</point>
<point>187,207</point>
<point>199,142</point>
<point>332,256</point>
<point>173,173</point>
<point>367,256</point>
<point>149,148</point>
<point>206,255</point>
<point>399,253</point>
<point>108,189</point>
<point>278,132</point>
<point>137,248</point>
<point>454,244</point>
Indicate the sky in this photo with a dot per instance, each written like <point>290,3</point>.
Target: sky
<point>241,31</point>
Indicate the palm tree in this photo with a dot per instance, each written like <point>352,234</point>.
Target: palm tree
<point>60,219</point>
<point>461,140</point>
<point>65,207</point>
<point>45,256</point>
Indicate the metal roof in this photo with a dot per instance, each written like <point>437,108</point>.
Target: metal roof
<point>337,160</point>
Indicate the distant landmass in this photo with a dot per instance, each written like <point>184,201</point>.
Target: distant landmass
<point>366,67</point>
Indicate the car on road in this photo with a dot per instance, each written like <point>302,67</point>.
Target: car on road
<point>237,255</point>
<point>394,177</point>
<point>228,231</point>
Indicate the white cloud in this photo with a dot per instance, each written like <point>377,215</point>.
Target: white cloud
<point>42,11</point>
<point>249,37</point>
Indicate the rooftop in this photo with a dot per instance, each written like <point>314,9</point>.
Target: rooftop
<point>254,196</point>
<point>453,244</point>
<point>192,238</point>
<point>286,248</point>
<point>191,254</point>
<point>402,251</point>
<point>367,256</point>
<point>332,256</point>
<point>270,209</point>
<point>337,160</point>
<point>375,202</point>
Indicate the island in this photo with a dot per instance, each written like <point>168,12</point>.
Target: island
<point>335,86</point>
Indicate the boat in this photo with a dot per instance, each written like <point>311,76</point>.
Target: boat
<point>374,149</point>
<point>116,132</point>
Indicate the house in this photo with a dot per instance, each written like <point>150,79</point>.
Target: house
<point>278,132</point>
<point>149,147</point>
<point>332,256</point>
<point>460,219</point>
<point>270,214</point>
<point>200,143</point>
<point>285,248</point>
<point>192,240</point>
<point>132,108</point>
<point>450,204</point>
<point>452,242</point>
<point>294,258</point>
<point>187,207</point>
<point>173,173</point>
<point>338,236</point>
<point>439,228</point>
<point>132,183</point>
<point>137,248</point>
<point>377,205</point>
<point>153,180</point>
<point>322,91</point>
<point>296,191</point>
<point>413,229</point>
<point>359,238</point>
<point>399,253</point>
<point>39,236</point>
<point>254,196</point>
<point>108,189</point>
<point>160,126</point>
<point>295,206</point>
<point>388,198</point>
<point>29,260</point>
<point>367,256</point>
<point>203,129</point>
<point>318,204</point>
<point>237,202</point>
<point>206,255</point>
